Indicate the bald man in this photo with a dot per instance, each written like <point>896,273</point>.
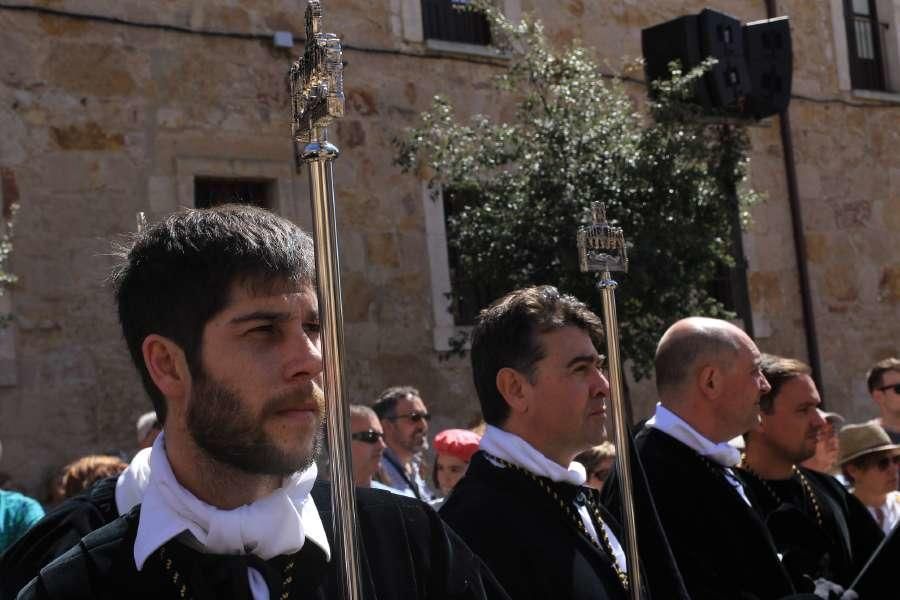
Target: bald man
<point>709,384</point>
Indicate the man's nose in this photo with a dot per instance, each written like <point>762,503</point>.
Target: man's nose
<point>303,356</point>
<point>601,384</point>
<point>764,387</point>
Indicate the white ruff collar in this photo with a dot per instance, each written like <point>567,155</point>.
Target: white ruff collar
<point>514,449</point>
<point>670,423</point>
<point>277,524</point>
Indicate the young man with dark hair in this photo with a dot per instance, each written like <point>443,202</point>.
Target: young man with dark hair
<point>522,504</point>
<point>883,383</point>
<point>404,418</point>
<point>219,311</point>
<point>820,529</point>
<point>709,383</point>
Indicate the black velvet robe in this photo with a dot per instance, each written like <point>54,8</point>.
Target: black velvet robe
<point>836,551</point>
<point>721,545</point>
<point>534,548</point>
<point>51,537</point>
<point>407,553</point>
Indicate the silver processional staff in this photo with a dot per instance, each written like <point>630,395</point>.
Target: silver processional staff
<point>601,249</point>
<point>317,99</point>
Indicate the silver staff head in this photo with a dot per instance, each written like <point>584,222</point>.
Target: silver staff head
<point>316,79</point>
<point>601,247</point>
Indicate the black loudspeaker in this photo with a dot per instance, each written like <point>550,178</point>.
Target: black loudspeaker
<point>722,37</point>
<point>753,74</point>
<point>767,49</point>
<point>678,39</point>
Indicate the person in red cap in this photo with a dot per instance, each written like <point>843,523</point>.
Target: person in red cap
<point>453,451</point>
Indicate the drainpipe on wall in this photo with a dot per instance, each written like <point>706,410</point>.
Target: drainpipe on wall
<point>790,171</point>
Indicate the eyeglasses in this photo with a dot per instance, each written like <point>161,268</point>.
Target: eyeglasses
<point>885,462</point>
<point>415,416</point>
<point>895,387</point>
<point>370,436</point>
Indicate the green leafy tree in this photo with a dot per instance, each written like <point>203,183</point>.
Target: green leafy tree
<point>517,191</point>
<point>6,278</point>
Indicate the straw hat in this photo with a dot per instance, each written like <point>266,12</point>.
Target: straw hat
<point>864,438</point>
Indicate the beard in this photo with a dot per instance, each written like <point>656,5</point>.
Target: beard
<point>221,425</point>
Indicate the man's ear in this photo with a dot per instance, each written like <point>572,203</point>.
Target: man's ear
<point>709,381</point>
<point>512,386</point>
<point>167,365</point>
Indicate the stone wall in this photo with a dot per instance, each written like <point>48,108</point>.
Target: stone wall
<point>101,120</point>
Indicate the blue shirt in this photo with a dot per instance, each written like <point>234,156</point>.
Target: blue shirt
<point>17,514</point>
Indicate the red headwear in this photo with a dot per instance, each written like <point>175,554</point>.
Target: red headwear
<point>460,443</point>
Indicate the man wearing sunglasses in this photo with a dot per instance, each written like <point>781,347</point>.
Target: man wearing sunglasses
<point>366,444</point>
<point>405,421</point>
<point>820,530</point>
<point>883,381</point>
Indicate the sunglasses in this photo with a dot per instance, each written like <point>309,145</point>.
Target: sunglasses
<point>885,462</point>
<point>414,416</point>
<point>895,387</point>
<point>369,436</point>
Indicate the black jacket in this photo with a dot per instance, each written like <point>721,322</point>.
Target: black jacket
<point>406,553</point>
<point>721,545</point>
<point>836,551</point>
<point>532,546</point>
<point>51,537</point>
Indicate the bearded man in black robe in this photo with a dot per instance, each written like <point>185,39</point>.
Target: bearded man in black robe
<point>820,529</point>
<point>219,312</point>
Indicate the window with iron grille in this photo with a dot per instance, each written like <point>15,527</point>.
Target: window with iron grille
<point>448,20</point>
<point>469,294</point>
<point>865,45</point>
<point>213,191</point>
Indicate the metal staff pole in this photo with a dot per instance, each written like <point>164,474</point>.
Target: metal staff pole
<point>601,249</point>
<point>317,99</point>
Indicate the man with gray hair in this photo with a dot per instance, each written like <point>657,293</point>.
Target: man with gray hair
<point>366,444</point>
<point>709,383</point>
<point>405,420</point>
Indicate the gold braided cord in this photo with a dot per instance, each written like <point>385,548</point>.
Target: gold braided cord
<point>603,545</point>
<point>808,491</point>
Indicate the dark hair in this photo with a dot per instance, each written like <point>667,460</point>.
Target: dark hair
<point>676,356</point>
<point>506,335</point>
<point>387,400</point>
<point>81,474</point>
<point>176,275</point>
<point>866,461</point>
<point>593,456</point>
<point>874,376</point>
<point>778,370</point>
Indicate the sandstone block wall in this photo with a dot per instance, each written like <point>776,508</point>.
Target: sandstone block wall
<point>101,120</point>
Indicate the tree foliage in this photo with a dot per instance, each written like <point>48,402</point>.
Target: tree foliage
<point>577,137</point>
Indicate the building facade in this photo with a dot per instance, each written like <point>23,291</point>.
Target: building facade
<point>108,109</point>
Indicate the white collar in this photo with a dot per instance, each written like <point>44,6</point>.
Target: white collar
<point>133,482</point>
<point>671,424</point>
<point>277,524</point>
<point>514,449</point>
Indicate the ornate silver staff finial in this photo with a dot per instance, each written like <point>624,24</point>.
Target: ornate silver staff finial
<point>317,100</point>
<point>316,79</point>
<point>601,247</point>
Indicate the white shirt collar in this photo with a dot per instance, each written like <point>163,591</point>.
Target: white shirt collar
<point>671,424</point>
<point>277,524</point>
<point>514,449</point>
<point>133,482</point>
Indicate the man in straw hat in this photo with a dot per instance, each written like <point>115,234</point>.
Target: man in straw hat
<point>821,531</point>
<point>869,461</point>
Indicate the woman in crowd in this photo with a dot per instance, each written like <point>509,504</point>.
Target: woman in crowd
<point>869,461</point>
<point>453,451</point>
<point>598,464</point>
